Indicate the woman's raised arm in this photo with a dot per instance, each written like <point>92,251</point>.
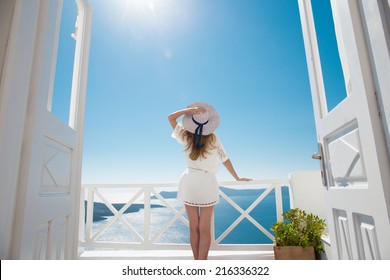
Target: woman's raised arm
<point>175,115</point>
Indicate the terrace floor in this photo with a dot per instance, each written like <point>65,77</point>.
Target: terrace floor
<point>174,255</point>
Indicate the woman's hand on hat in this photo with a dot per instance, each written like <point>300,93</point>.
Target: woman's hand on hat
<point>197,110</point>
<point>192,110</point>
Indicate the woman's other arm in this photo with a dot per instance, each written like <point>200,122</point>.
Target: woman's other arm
<point>229,166</point>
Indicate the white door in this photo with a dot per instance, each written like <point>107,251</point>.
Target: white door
<point>48,201</point>
<point>352,136</point>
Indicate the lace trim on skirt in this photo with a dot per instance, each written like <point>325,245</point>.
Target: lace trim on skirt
<point>201,204</point>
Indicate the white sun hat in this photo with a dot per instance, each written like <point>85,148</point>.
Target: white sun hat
<point>201,124</point>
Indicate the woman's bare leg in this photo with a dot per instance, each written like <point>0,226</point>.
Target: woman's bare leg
<point>206,215</point>
<point>193,217</point>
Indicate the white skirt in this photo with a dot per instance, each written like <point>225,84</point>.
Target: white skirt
<point>198,188</point>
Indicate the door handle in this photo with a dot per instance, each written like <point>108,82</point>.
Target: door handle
<point>316,156</point>
<point>320,156</point>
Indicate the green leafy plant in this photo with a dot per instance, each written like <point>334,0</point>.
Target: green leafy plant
<point>299,229</point>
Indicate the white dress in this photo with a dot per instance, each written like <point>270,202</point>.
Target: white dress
<point>198,185</point>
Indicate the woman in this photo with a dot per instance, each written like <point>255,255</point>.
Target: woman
<point>198,187</point>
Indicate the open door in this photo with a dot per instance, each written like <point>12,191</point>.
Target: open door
<point>48,198</point>
<point>351,135</point>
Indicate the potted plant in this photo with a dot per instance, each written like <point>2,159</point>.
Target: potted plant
<point>299,236</point>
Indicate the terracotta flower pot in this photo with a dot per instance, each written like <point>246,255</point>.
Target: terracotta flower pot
<point>294,253</point>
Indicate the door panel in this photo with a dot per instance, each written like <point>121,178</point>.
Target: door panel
<point>368,245</point>
<point>51,239</point>
<point>343,235</point>
<point>58,151</point>
<point>345,160</point>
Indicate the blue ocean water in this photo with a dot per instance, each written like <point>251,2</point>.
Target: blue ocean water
<point>225,214</point>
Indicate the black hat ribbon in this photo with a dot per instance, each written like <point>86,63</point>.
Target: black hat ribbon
<point>198,134</point>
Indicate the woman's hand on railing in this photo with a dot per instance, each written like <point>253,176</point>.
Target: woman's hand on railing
<point>229,166</point>
<point>243,179</point>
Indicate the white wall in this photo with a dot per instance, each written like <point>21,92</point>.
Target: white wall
<point>308,192</point>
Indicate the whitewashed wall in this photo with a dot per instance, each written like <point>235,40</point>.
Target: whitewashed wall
<point>308,192</point>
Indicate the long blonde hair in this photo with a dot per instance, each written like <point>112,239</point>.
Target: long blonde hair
<point>207,140</point>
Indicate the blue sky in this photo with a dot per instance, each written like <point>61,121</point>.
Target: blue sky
<point>149,58</point>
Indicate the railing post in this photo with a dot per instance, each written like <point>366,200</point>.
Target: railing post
<point>90,208</point>
<point>213,229</point>
<point>279,202</point>
<point>147,217</point>
<point>81,232</point>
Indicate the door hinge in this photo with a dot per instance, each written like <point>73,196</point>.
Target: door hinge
<point>378,105</point>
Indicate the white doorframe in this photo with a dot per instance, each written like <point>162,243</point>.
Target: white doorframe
<point>378,44</point>
<point>14,93</point>
<point>78,102</point>
<point>375,15</point>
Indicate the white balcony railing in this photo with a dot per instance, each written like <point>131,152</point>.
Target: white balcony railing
<point>138,231</point>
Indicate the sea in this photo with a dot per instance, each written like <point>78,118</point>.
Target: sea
<point>178,233</point>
